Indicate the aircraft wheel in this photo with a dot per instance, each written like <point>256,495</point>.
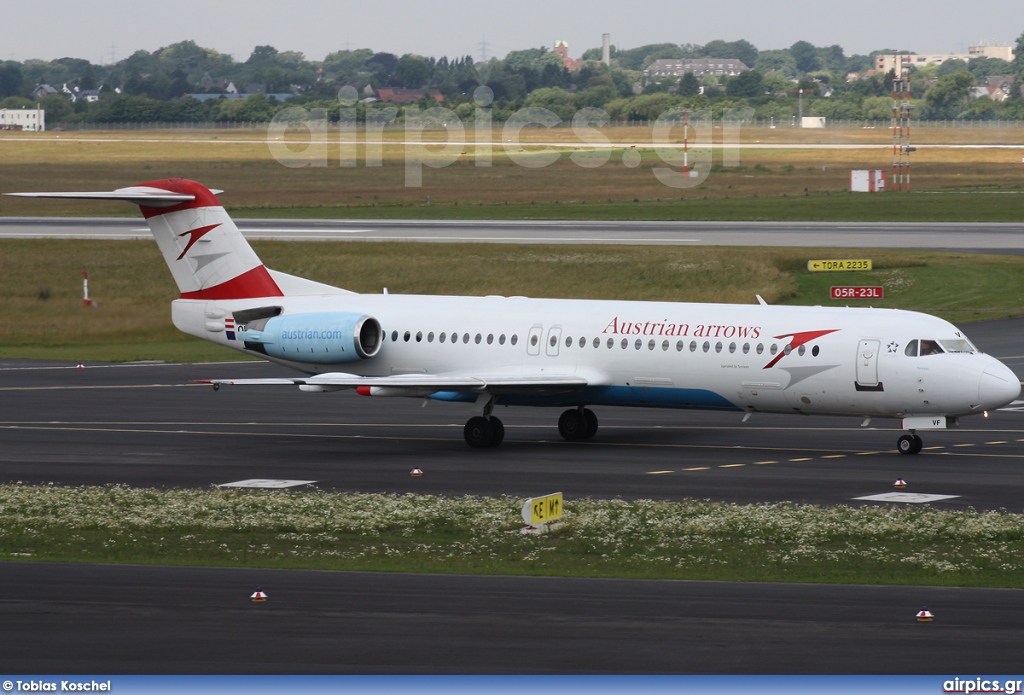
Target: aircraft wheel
<point>499,431</point>
<point>479,432</point>
<point>909,444</point>
<point>572,425</point>
<point>591,423</point>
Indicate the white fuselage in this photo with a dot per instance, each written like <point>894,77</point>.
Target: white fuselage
<point>848,361</point>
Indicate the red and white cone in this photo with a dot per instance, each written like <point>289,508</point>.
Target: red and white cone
<point>900,483</point>
<point>258,596</point>
<point>924,615</point>
<point>415,472</point>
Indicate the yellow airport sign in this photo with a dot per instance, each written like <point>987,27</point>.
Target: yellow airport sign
<point>541,510</point>
<point>839,265</point>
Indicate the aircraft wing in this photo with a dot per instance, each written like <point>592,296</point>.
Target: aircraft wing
<point>533,383</point>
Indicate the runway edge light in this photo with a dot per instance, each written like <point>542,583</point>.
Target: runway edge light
<point>416,472</point>
<point>924,615</point>
<point>258,596</point>
<point>900,483</point>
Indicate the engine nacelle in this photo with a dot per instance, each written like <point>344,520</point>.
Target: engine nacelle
<point>320,338</point>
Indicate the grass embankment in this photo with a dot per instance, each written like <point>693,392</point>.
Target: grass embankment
<point>743,184</point>
<point>609,538</point>
<point>41,285</point>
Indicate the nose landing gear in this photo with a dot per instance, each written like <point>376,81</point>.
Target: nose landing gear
<point>909,444</point>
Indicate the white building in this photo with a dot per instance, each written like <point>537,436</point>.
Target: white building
<point>28,120</point>
<point>886,61</point>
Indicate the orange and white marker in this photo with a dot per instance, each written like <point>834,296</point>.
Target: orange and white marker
<point>85,290</point>
<point>258,596</point>
<point>415,472</point>
<point>924,615</point>
<point>900,483</point>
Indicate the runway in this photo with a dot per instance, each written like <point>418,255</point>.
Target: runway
<point>952,236</point>
<point>96,619</point>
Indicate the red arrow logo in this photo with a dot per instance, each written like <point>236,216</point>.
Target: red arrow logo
<point>197,234</point>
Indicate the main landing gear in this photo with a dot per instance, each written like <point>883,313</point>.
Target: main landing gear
<point>909,444</point>
<point>577,425</point>
<point>485,430</point>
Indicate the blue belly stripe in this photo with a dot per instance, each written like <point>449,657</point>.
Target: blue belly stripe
<point>643,396</point>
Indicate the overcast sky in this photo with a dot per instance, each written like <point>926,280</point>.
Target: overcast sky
<point>102,29</point>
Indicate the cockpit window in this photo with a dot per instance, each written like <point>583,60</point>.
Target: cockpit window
<point>930,347</point>
<point>911,349</point>
<point>958,345</point>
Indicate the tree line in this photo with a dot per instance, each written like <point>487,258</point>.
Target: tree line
<point>813,80</point>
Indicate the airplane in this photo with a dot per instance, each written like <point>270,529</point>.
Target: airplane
<point>562,353</point>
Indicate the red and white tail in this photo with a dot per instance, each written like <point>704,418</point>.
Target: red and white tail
<point>208,256</point>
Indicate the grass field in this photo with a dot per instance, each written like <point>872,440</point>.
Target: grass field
<point>776,184</point>
<point>473,535</point>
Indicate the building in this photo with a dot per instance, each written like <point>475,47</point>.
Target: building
<point>395,95</point>
<point>562,51</point>
<point>28,120</point>
<point>677,67</point>
<point>885,62</point>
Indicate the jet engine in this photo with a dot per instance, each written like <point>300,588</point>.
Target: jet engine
<point>318,338</point>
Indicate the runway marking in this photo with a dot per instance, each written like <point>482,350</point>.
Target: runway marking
<point>699,468</point>
<point>798,460</point>
<point>995,442</point>
<point>764,463</point>
<point>732,465</point>
<point>962,445</point>
<point>834,456</point>
<point>267,483</point>
<point>907,497</point>
<point>659,472</point>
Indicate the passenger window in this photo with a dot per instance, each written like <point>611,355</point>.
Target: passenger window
<point>597,342</point>
<point>746,348</point>
<point>533,340</point>
<point>419,336</point>
<point>430,337</point>
<point>407,336</point>
<point>802,350</point>
<point>611,342</point>
<point>490,338</point>
<point>514,339</point>
<point>693,346</point>
<point>568,341</point>
<point>477,339</point>
<point>625,342</point>
<point>732,348</point>
<point>814,351</point>
<point>706,346</point>
<point>394,336</point>
<point>718,347</point>
<point>760,348</point>
<point>501,339</point>
<point>650,344</point>
<point>583,342</point>
<point>441,338</point>
<point>465,337</point>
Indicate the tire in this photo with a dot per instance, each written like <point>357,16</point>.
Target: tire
<point>479,432</point>
<point>591,423</point>
<point>572,425</point>
<point>499,431</point>
<point>909,444</point>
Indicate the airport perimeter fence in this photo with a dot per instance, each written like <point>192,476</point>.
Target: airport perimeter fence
<point>754,123</point>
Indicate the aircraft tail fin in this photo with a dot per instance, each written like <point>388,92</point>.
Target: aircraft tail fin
<point>208,257</point>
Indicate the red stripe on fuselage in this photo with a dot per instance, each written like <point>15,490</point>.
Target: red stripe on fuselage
<point>798,339</point>
<point>254,283</point>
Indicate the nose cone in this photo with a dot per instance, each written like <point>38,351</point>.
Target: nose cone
<point>998,387</point>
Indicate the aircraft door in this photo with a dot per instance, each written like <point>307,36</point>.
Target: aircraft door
<point>867,365</point>
<point>533,341</point>
<point>554,337</point>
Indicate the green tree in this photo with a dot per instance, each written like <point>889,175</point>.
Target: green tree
<point>741,50</point>
<point>12,81</point>
<point>689,85</point>
<point>411,72</point>
<point>780,60</point>
<point>806,56</point>
<point>948,67</point>
<point>949,95</point>
<point>746,84</point>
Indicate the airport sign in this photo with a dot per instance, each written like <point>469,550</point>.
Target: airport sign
<point>839,265</point>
